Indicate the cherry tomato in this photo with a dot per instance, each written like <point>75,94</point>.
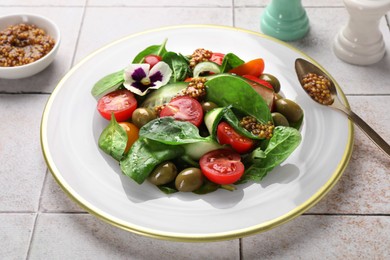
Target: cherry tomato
<point>217,57</point>
<point>152,59</point>
<point>253,67</point>
<point>120,102</point>
<point>222,166</point>
<point>227,135</point>
<point>132,133</point>
<point>184,108</point>
<point>260,81</point>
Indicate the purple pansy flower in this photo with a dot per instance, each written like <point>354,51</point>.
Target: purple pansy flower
<point>138,78</point>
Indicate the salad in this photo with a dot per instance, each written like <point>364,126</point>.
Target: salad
<point>196,123</point>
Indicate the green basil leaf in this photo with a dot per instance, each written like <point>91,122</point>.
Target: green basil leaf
<point>159,50</point>
<point>113,139</point>
<point>283,142</point>
<point>226,89</point>
<point>108,84</point>
<point>230,61</point>
<point>145,155</point>
<point>167,130</point>
<point>179,65</point>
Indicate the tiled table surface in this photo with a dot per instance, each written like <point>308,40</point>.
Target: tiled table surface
<point>37,219</point>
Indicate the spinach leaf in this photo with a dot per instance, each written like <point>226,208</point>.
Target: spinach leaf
<point>230,61</point>
<point>233,120</point>
<point>280,146</point>
<point>179,65</point>
<point>113,139</point>
<point>227,89</point>
<point>159,50</point>
<point>145,155</point>
<point>167,130</point>
<point>107,84</point>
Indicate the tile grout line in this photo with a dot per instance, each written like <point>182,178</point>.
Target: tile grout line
<point>37,213</point>
<point>79,33</point>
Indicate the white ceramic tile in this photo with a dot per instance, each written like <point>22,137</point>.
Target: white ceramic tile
<point>103,25</point>
<point>54,199</point>
<point>42,2</point>
<point>364,186</point>
<point>157,3</point>
<point>305,3</point>
<point>325,23</point>
<point>15,233</point>
<point>82,236</point>
<point>22,167</point>
<point>323,237</point>
<point>68,20</point>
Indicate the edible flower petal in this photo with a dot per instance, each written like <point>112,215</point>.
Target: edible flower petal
<point>139,78</point>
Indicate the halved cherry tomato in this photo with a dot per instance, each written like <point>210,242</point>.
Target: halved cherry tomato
<point>222,166</point>
<point>120,102</point>
<point>132,133</point>
<point>227,135</point>
<point>152,59</point>
<point>217,57</point>
<point>253,67</point>
<point>184,108</point>
<point>260,81</point>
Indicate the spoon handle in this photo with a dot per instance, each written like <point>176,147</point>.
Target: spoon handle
<point>382,144</point>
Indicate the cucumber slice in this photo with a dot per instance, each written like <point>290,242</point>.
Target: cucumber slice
<point>197,150</point>
<point>107,84</point>
<point>212,118</point>
<point>163,95</point>
<point>206,66</point>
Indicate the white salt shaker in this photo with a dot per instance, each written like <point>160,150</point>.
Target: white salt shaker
<point>361,42</point>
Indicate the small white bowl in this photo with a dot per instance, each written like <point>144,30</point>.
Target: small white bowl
<point>30,69</point>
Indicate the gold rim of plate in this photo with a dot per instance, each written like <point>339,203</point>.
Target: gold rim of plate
<point>194,237</point>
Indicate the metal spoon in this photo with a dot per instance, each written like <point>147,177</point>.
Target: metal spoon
<point>303,67</point>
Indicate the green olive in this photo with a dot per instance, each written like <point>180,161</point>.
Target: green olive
<point>277,96</point>
<point>272,80</point>
<point>207,106</point>
<point>291,110</point>
<point>141,116</point>
<point>189,179</point>
<point>279,119</point>
<point>163,174</point>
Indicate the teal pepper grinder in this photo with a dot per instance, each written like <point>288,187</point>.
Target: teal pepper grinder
<point>285,20</point>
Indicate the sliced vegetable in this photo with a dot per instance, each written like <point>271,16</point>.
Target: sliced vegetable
<point>266,92</point>
<point>212,119</point>
<point>184,108</point>
<point>163,95</point>
<point>227,135</point>
<point>253,67</point>
<point>132,134</point>
<point>217,57</point>
<point>222,166</point>
<point>152,59</point>
<point>259,81</point>
<point>204,67</point>
<point>121,103</point>
<point>196,150</point>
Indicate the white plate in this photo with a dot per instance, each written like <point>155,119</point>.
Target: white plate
<point>71,126</point>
